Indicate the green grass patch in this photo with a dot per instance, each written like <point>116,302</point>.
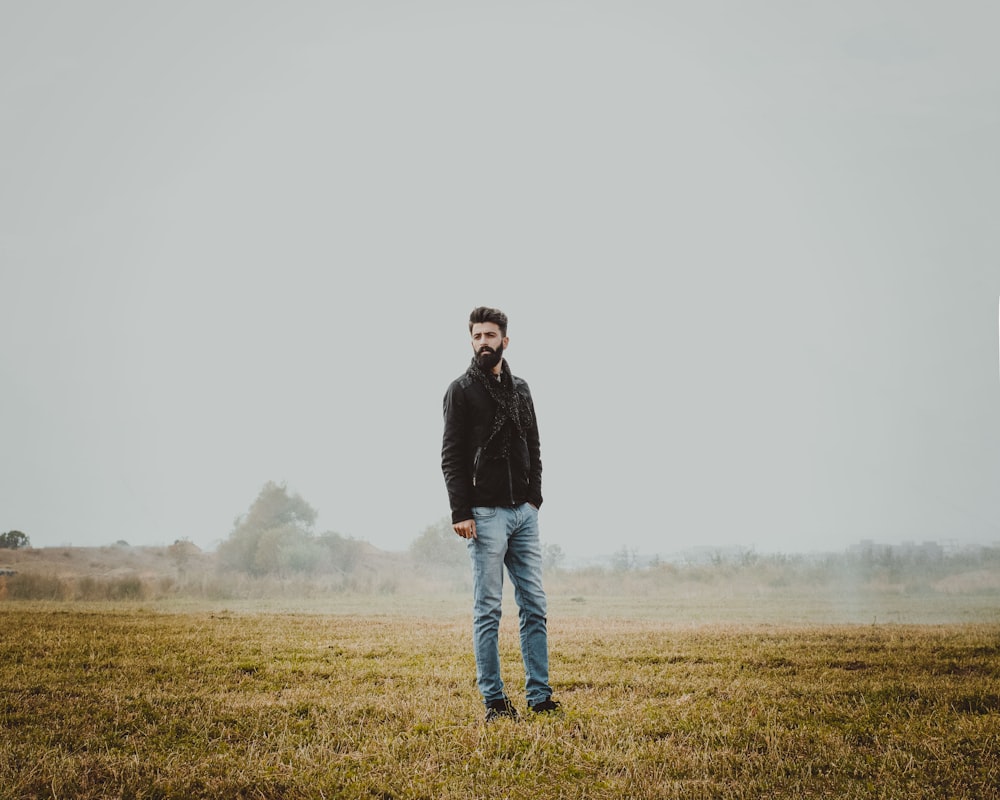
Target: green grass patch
<point>127,702</point>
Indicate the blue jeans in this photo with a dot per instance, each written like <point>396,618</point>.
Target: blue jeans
<point>509,537</point>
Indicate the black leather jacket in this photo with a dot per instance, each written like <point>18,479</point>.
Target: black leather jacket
<point>476,476</point>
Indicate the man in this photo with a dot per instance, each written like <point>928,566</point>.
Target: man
<point>492,467</point>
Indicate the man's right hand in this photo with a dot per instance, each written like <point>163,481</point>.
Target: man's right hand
<point>466,528</point>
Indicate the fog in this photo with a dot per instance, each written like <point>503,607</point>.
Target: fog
<point>748,252</point>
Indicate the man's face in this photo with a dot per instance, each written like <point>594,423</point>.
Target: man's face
<point>488,344</point>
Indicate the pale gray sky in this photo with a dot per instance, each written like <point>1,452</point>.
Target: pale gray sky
<point>749,252</point>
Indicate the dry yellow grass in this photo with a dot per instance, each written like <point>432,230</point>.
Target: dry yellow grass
<point>117,701</point>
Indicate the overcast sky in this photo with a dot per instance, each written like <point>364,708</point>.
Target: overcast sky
<point>749,252</point>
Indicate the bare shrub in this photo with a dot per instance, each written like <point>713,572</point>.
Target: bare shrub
<point>29,586</point>
<point>130,587</point>
<point>88,588</point>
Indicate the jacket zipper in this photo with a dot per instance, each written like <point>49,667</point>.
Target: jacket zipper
<point>510,481</point>
<point>475,464</point>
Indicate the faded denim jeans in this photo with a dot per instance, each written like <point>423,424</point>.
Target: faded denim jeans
<point>509,537</point>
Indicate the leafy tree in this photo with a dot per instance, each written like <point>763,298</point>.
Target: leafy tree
<point>14,540</point>
<point>341,553</point>
<point>276,523</point>
<point>552,556</point>
<point>624,559</point>
<point>182,552</point>
<point>275,507</point>
<point>288,549</point>
<point>438,546</point>
<point>275,537</point>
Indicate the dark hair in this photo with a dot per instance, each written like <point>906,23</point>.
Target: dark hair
<point>487,314</point>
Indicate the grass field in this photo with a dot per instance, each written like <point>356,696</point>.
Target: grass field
<point>135,701</point>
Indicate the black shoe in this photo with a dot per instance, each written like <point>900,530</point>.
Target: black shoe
<point>547,706</point>
<point>500,708</point>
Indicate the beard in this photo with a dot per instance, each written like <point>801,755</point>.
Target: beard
<point>487,358</point>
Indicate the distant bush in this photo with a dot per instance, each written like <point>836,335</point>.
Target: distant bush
<point>128,588</point>
<point>88,588</point>
<point>28,586</point>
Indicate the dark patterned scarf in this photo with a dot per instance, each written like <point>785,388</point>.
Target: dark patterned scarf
<point>511,404</point>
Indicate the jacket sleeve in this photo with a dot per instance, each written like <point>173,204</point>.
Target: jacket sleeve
<point>534,457</point>
<point>454,454</point>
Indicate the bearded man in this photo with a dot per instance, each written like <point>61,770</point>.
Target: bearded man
<point>492,467</point>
